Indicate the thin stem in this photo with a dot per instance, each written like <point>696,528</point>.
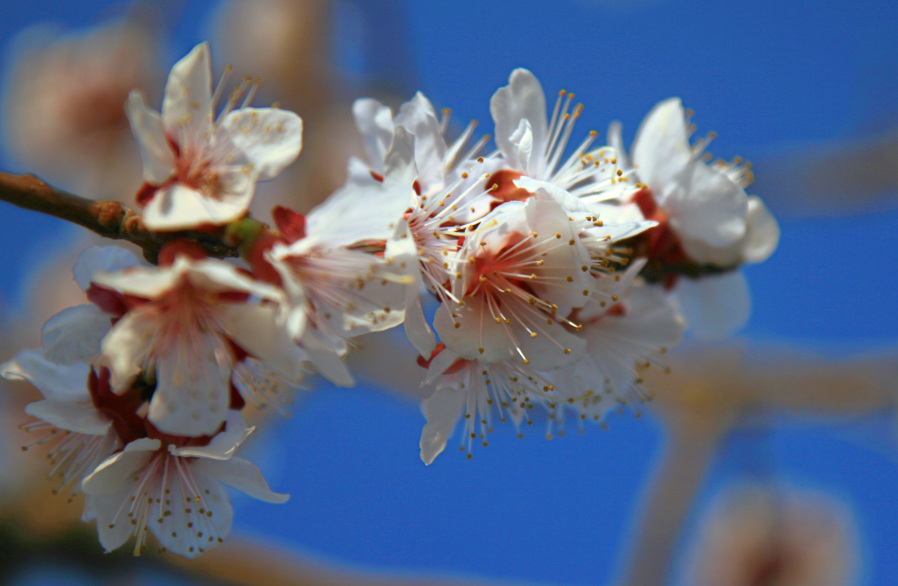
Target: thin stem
<point>109,219</point>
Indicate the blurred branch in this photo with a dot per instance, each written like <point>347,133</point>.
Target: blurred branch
<point>109,219</point>
<point>714,390</point>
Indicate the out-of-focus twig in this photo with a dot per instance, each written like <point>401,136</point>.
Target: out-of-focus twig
<point>109,219</point>
<point>713,390</point>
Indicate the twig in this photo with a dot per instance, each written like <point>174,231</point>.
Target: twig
<point>109,219</point>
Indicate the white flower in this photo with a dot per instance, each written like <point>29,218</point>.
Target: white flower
<point>704,216</point>
<point>199,169</point>
<point>621,339</point>
<point>517,277</point>
<point>334,290</point>
<point>80,435</point>
<point>532,146</point>
<point>174,491</point>
<point>187,327</point>
<point>475,389</point>
<point>436,161</point>
<point>775,535</point>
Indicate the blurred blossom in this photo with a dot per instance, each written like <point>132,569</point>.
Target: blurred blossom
<point>64,106</point>
<point>756,536</point>
<point>284,42</point>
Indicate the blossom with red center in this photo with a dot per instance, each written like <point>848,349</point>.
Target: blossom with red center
<point>173,489</point>
<point>199,169</point>
<point>704,216</point>
<point>478,391</point>
<point>517,276</point>
<point>185,328</point>
<point>534,147</point>
<point>340,277</point>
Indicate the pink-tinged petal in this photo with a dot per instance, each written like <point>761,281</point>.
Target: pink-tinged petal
<point>715,307</point>
<point>661,149</point>
<point>187,105</point>
<point>179,207</point>
<point>242,475</point>
<point>442,411</point>
<point>419,117</point>
<point>521,99</point>
<point>375,123</point>
<point>56,382</point>
<point>155,152</point>
<point>223,445</point>
<point>70,416</point>
<point>192,386</point>
<point>101,259</point>
<point>74,335</point>
<point>616,141</point>
<point>268,138</point>
<point>196,521</point>
<point>255,328</point>
<point>763,232</point>
<point>126,346</point>
<point>708,207</point>
<point>117,470</point>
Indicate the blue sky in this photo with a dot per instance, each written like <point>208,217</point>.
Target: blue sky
<point>769,77</point>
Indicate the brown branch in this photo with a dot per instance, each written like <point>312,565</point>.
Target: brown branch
<point>109,219</point>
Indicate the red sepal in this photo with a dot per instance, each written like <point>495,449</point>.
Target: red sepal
<point>291,224</point>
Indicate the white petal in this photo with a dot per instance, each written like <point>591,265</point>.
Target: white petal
<point>442,411</point>
<point>375,122</point>
<point>399,166</point>
<point>116,470</point>
<point>242,475</point>
<point>74,335</point>
<point>548,190</point>
<point>126,346</point>
<point>70,416</point>
<point>401,250</point>
<point>707,206</point>
<point>179,207</point>
<point>148,282</point>
<point>661,149</point>
<point>763,234</point>
<point>106,259</point>
<point>255,329</point>
<point>187,106</point>
<point>521,99</point>
<point>192,386</point>
<point>155,152</point>
<point>419,117</point>
<point>223,445</point>
<point>192,526</point>
<point>62,383</point>
<point>715,307</point>
<point>218,275</point>
<point>522,145</point>
<point>269,138</point>
<point>326,359</point>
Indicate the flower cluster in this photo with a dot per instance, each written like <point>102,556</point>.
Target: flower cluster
<point>554,276</point>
